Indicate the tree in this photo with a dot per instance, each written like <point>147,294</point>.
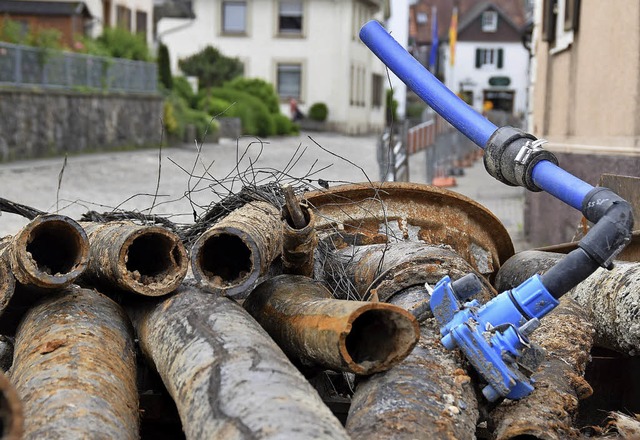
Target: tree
<point>211,67</point>
<point>164,67</point>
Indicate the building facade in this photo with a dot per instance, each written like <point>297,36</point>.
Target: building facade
<point>309,50</point>
<point>585,100</point>
<point>491,65</point>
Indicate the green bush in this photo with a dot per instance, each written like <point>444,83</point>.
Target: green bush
<point>120,43</point>
<point>183,89</point>
<point>255,116</point>
<point>318,112</point>
<point>164,67</point>
<point>214,106</point>
<point>284,125</point>
<point>391,107</point>
<point>258,88</point>
<point>178,115</point>
<point>11,31</point>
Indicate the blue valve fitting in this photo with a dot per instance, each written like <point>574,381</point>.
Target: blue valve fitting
<point>492,336</point>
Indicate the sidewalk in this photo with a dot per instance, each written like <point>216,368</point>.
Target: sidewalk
<point>505,202</point>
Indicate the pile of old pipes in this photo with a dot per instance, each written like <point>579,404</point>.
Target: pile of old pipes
<point>304,315</point>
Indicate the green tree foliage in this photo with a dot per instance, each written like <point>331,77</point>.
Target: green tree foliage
<point>258,88</point>
<point>11,31</point>
<point>211,67</point>
<point>391,107</point>
<point>164,67</point>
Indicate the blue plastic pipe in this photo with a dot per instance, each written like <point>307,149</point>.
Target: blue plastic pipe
<point>561,184</point>
<point>471,123</point>
<point>546,175</point>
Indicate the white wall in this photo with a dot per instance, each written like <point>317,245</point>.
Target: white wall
<point>398,25</point>
<point>516,65</point>
<point>326,52</point>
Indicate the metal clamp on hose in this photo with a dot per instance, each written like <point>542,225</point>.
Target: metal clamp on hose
<point>511,154</point>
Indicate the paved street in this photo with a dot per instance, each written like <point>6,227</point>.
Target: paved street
<point>129,179</point>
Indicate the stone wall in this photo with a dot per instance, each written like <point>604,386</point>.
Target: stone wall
<point>549,221</point>
<point>48,123</point>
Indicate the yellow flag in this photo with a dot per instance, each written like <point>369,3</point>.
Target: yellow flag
<point>453,36</point>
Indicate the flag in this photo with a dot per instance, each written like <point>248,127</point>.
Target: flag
<point>433,55</point>
<point>453,36</point>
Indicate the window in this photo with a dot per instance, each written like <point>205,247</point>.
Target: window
<point>234,17</point>
<point>141,23</point>
<point>377,82</point>
<point>357,86</point>
<point>489,57</point>
<point>560,20</point>
<point>489,21</point>
<point>289,80</point>
<point>123,15</point>
<point>421,18</point>
<point>290,15</point>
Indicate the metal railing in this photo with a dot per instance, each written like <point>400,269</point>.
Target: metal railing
<point>393,157</point>
<point>26,66</point>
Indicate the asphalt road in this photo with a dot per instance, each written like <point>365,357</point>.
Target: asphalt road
<point>177,181</point>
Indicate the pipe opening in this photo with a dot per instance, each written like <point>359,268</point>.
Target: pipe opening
<point>289,219</point>
<point>226,257</point>
<point>55,247</point>
<point>379,336</point>
<point>154,256</point>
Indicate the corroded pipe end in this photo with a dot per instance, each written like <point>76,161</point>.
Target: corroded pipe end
<point>378,337</point>
<point>11,415</point>
<point>298,245</point>
<point>226,260</point>
<point>152,261</point>
<point>7,283</point>
<point>50,252</point>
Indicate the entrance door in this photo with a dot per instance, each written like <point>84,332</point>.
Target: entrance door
<point>500,100</point>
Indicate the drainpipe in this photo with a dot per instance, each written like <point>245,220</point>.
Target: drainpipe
<point>485,333</point>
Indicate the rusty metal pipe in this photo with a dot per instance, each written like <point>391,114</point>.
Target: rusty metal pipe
<point>299,242</point>
<point>548,412</point>
<point>50,252</point>
<point>74,368</point>
<point>226,376</point>
<point>611,298</point>
<point>233,255</point>
<point>147,260</point>
<point>382,270</point>
<point>7,283</point>
<point>11,411</point>
<point>315,329</point>
<point>428,395</point>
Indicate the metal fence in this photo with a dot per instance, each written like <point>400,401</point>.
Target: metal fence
<point>22,66</point>
<point>393,158</point>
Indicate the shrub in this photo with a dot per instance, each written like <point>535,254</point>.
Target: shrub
<point>211,67</point>
<point>214,106</point>
<point>183,89</point>
<point>318,112</point>
<point>11,31</point>
<point>255,116</point>
<point>164,67</point>
<point>120,43</point>
<point>284,125</point>
<point>258,88</point>
<point>391,107</point>
<point>178,115</point>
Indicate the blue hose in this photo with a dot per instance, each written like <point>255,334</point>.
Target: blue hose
<point>471,123</point>
<point>560,183</point>
<point>546,175</point>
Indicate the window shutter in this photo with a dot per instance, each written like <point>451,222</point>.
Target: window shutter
<point>500,58</point>
<point>478,61</point>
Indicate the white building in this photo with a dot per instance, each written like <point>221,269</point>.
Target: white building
<point>133,15</point>
<point>491,63</point>
<point>309,50</point>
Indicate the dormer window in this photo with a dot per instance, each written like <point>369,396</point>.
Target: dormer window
<point>489,21</point>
